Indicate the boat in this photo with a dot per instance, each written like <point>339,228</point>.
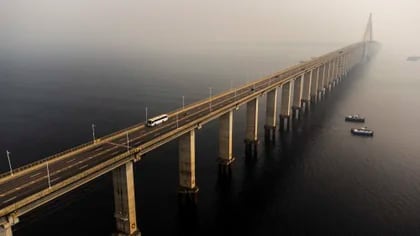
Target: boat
<point>354,118</point>
<point>363,131</point>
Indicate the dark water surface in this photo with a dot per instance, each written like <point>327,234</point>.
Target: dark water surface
<point>316,179</point>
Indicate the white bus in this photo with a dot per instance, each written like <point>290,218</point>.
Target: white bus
<point>157,120</point>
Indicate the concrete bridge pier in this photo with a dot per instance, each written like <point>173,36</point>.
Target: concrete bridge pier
<point>314,86</point>
<point>343,68</point>
<point>328,78</point>
<point>314,99</point>
<point>225,141</point>
<point>251,136</point>
<point>346,65</point>
<point>285,108</point>
<point>322,81</point>
<point>337,71</point>
<point>305,106</point>
<point>306,92</point>
<point>320,94</point>
<point>335,82</point>
<point>124,200</point>
<point>6,228</point>
<point>271,116</point>
<point>297,98</point>
<point>187,189</point>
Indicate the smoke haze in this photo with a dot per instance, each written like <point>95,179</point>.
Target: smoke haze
<point>127,25</point>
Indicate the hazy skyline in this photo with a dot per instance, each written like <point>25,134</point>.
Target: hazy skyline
<point>165,23</point>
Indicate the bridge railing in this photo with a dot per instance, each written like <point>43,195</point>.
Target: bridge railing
<point>49,158</point>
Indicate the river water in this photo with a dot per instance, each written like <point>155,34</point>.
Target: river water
<point>316,179</point>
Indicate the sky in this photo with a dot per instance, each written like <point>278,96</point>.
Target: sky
<point>182,23</point>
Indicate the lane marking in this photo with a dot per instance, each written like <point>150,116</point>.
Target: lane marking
<point>55,179</point>
<point>123,145</point>
<point>82,167</point>
<point>115,152</point>
<point>70,166</point>
<point>35,175</point>
<point>10,199</point>
<point>70,160</point>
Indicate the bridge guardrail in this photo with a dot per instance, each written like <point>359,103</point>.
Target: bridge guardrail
<point>18,169</point>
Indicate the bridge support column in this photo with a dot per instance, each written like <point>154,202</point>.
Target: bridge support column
<point>306,91</point>
<point>326,78</point>
<point>251,139</point>
<point>336,71</point>
<point>6,230</point>
<point>340,69</point>
<point>187,187</point>
<point>321,82</point>
<point>271,115</point>
<point>327,83</point>
<point>297,97</point>
<point>285,108</point>
<point>314,86</point>
<point>346,64</point>
<point>225,141</point>
<point>124,200</point>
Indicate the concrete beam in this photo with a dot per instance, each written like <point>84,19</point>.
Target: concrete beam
<point>124,200</point>
<point>225,138</point>
<point>271,114</point>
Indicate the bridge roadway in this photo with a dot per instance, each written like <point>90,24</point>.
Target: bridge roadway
<point>28,182</point>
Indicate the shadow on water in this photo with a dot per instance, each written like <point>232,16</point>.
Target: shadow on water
<point>187,218</point>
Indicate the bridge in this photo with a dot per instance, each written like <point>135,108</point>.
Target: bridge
<point>298,87</point>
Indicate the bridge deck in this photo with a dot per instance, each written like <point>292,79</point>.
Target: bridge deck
<point>18,191</point>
